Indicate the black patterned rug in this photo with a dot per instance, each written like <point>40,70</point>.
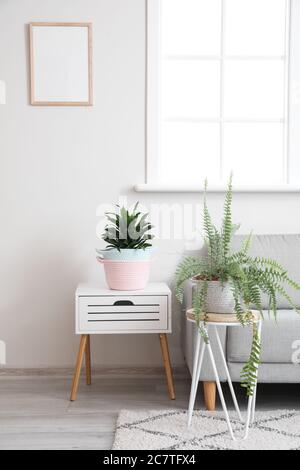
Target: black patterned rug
<point>167,430</point>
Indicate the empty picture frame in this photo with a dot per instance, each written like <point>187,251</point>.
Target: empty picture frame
<point>61,64</point>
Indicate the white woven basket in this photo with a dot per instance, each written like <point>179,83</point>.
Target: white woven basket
<point>219,297</point>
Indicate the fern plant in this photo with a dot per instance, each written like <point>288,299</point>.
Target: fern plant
<point>127,230</point>
<point>249,278</point>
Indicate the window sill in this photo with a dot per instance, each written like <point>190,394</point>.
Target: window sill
<point>177,188</point>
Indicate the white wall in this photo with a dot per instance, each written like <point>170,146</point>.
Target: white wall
<point>58,164</point>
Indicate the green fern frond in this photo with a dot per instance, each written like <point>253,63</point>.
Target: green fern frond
<point>249,278</point>
<point>239,311</point>
<point>247,243</point>
<point>292,283</point>
<point>249,372</point>
<point>186,270</point>
<point>258,260</point>
<point>203,332</point>
<point>210,231</point>
<point>227,219</point>
<point>199,307</point>
<point>254,294</point>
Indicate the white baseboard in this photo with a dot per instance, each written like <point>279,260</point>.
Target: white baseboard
<point>117,371</point>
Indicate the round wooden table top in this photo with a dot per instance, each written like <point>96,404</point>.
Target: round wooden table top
<point>222,317</point>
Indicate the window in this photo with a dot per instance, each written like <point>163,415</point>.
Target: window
<point>218,92</point>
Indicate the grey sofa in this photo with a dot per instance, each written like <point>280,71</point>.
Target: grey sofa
<point>279,338</point>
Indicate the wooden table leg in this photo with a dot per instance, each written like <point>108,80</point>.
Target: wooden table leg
<point>166,358</point>
<point>82,347</point>
<point>210,395</point>
<point>88,361</point>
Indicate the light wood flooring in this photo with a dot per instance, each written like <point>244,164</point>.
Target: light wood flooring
<point>35,411</point>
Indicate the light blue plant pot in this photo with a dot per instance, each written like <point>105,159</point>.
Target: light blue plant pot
<point>127,254</point>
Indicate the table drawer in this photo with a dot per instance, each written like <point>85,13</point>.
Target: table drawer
<point>122,313</point>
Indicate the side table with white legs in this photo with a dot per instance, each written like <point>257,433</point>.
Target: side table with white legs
<point>213,322</point>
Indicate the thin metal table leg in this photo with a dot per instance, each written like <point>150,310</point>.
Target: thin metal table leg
<point>198,360</point>
<point>228,375</point>
<point>249,410</point>
<point>220,391</point>
<point>196,371</point>
<point>194,385</point>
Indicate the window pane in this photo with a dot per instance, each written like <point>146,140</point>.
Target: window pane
<point>254,89</point>
<point>191,26</point>
<point>190,88</point>
<point>255,27</point>
<point>190,152</point>
<point>254,152</point>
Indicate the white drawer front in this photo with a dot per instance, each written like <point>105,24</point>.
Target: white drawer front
<point>118,313</point>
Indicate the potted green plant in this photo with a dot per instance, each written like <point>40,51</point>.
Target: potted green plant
<point>128,253</point>
<point>228,282</point>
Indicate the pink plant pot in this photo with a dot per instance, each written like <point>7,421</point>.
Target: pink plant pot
<point>126,275</point>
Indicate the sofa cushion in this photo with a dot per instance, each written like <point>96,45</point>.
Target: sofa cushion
<point>278,339</point>
<point>270,373</point>
<point>283,248</point>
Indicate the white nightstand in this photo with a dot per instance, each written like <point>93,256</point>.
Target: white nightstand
<point>104,311</point>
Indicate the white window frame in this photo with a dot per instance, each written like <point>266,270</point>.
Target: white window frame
<point>153,109</point>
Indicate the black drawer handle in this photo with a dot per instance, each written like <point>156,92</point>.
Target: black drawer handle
<point>123,302</point>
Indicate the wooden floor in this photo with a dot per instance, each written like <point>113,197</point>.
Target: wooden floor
<point>35,411</point>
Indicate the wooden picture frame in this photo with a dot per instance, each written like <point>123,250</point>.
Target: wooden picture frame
<point>61,64</point>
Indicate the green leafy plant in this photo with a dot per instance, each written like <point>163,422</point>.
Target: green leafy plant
<point>127,230</point>
<point>247,276</point>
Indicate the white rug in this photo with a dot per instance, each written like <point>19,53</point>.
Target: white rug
<point>167,430</point>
